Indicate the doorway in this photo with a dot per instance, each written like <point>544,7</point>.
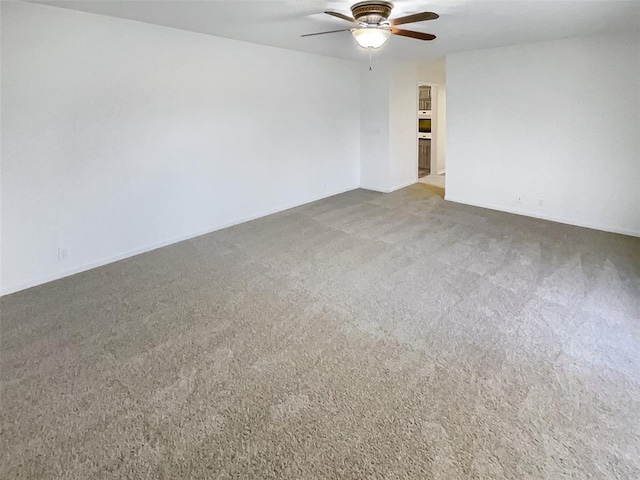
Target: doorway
<point>430,134</point>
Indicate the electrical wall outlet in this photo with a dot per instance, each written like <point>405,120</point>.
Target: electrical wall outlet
<point>63,253</point>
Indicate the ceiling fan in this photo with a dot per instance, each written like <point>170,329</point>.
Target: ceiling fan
<point>372,24</point>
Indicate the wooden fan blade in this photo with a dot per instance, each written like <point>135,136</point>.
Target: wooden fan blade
<point>417,17</point>
<point>323,33</point>
<point>412,34</point>
<point>340,15</point>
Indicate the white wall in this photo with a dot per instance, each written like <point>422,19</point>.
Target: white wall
<point>119,136</point>
<point>374,149</point>
<point>433,71</point>
<point>403,125</point>
<point>389,155</point>
<point>555,122</point>
<point>441,129</point>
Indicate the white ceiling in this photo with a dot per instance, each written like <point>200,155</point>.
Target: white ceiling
<point>463,24</point>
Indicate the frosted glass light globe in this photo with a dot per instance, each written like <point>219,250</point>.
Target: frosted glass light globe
<point>370,37</point>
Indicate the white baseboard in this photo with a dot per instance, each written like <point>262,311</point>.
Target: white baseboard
<point>404,185</point>
<point>604,228</point>
<point>388,190</point>
<point>154,246</point>
<point>373,189</point>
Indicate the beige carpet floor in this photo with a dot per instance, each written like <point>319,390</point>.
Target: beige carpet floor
<point>364,336</point>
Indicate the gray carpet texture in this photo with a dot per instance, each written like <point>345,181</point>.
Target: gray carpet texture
<point>364,336</point>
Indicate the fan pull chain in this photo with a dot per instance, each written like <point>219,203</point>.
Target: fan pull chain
<point>370,52</point>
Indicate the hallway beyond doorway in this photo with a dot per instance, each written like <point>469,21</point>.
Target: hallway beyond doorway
<point>437,180</point>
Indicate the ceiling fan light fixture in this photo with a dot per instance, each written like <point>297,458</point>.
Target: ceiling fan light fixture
<point>370,37</point>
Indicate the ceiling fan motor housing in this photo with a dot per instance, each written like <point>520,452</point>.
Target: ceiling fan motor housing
<point>371,13</point>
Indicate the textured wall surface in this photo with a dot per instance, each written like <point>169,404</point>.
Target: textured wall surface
<point>118,136</point>
<point>554,123</point>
